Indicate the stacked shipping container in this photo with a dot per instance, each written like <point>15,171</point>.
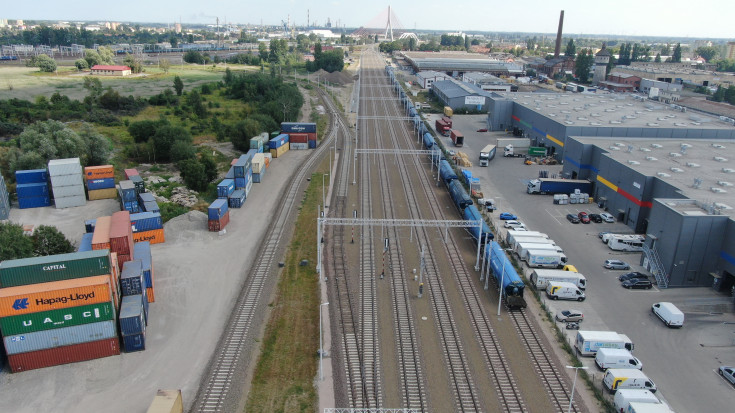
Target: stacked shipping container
<point>218,214</point>
<point>32,188</point>
<point>128,196</point>
<point>147,226</point>
<point>259,167</point>
<point>301,135</point>
<point>100,182</point>
<point>66,182</point>
<point>142,252</point>
<point>279,145</point>
<point>121,237</point>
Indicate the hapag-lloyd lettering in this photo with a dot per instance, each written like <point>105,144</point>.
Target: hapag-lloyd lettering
<point>65,299</point>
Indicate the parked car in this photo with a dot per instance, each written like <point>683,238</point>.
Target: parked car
<point>452,153</point>
<point>514,224</point>
<point>595,218</point>
<point>601,234</point>
<point>573,218</point>
<point>607,217</point>
<point>728,373</point>
<point>569,316</point>
<point>507,216</point>
<point>584,217</point>
<point>482,130</point>
<point>632,275</point>
<point>637,284</point>
<point>616,265</point>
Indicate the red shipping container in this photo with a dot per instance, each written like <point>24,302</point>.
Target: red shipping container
<point>64,355</point>
<point>216,225</point>
<point>298,138</point>
<point>123,258</point>
<point>130,172</point>
<point>121,234</point>
<point>311,136</point>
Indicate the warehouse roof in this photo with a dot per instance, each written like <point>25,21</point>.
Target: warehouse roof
<point>453,89</point>
<point>484,78</point>
<point>459,61</point>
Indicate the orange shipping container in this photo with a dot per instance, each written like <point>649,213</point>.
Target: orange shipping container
<point>99,172</point>
<point>151,296</point>
<point>155,236</point>
<point>101,235</point>
<point>55,295</point>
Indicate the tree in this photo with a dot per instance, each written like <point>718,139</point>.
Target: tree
<point>94,86</point>
<point>98,146</point>
<point>13,243</point>
<point>52,140</point>
<point>719,95</point>
<point>262,50</point>
<point>706,52</point>
<point>174,41</point>
<point>571,49</point>
<point>178,85</point>
<point>46,64</point>
<point>666,50</point>
<point>636,54</point>
<point>164,65</point>
<point>164,139</point>
<point>143,130</point>
<point>81,64</point>
<point>658,58</point>
<point>210,166</point>
<point>676,55</point>
<point>193,174</point>
<point>242,132</point>
<point>583,64</point>
<point>193,56</point>
<point>135,65</point>
<point>48,240</point>
<point>466,43</point>
<point>181,150</point>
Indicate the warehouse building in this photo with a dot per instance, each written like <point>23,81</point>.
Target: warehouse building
<point>460,95</point>
<point>488,82</point>
<point>458,63</point>
<point>427,78</point>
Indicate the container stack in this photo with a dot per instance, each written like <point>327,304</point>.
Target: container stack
<point>225,188</point>
<point>86,243</point>
<point>219,215</point>
<point>148,202</point>
<point>260,142</point>
<point>258,167</point>
<point>4,199</point>
<point>128,197</point>
<point>303,135</point>
<point>279,145</point>
<point>77,291</point>
<point>142,252</point>
<point>101,234</point>
<point>132,323</point>
<point>243,168</point>
<point>167,401</point>
<point>147,227</point>
<point>236,199</point>
<point>121,237</point>
<point>31,188</point>
<point>138,183</point>
<point>130,173</point>
<point>100,182</point>
<point>67,182</point>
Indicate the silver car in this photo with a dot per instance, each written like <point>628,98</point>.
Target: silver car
<point>728,373</point>
<point>569,316</point>
<point>607,217</point>
<point>616,265</point>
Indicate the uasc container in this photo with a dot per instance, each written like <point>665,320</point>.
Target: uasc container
<point>64,355</point>
<point>54,268</point>
<point>49,320</point>
<point>54,295</point>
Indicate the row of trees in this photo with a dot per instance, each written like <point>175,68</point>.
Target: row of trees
<point>331,60</point>
<point>724,94</point>
<point>46,240</point>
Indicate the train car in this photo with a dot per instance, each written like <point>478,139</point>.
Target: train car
<point>428,141</point>
<point>412,112</point>
<point>446,173</point>
<point>472,214</point>
<point>437,155</point>
<point>512,285</point>
<point>459,195</point>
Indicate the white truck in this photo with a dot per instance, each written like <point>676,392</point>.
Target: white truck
<point>512,145</point>
<point>618,379</point>
<point>643,407</point>
<point>510,237</point>
<point>616,358</point>
<point>522,247</point>
<point>540,278</point>
<point>563,291</point>
<point>532,240</point>
<point>624,397</point>
<point>544,259</point>
<point>487,154</point>
<point>588,341</point>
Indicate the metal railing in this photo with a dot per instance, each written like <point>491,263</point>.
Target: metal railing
<point>657,267</point>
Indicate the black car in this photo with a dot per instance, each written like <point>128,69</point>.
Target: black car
<point>573,218</point>
<point>637,283</point>
<point>595,218</point>
<point>633,275</point>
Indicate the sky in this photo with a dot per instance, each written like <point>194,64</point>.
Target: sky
<point>674,18</point>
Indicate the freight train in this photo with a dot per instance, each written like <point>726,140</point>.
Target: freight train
<point>506,276</point>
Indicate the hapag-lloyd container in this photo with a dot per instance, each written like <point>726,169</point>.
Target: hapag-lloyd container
<point>100,183</point>
<point>298,127</point>
<point>49,320</point>
<point>66,180</point>
<point>121,233</point>
<point>109,193</point>
<point>67,191</point>
<point>278,141</point>
<point>54,295</point>
<point>131,278</point>
<point>146,221</point>
<point>132,316</point>
<point>99,172</point>
<point>31,176</point>
<point>216,225</point>
<point>54,268</point>
<point>69,166</point>
<point>31,190</point>
<point>86,243</point>
<point>64,355</point>
<point>217,209</point>
<point>143,253</point>
<point>101,237</point>
<point>155,236</point>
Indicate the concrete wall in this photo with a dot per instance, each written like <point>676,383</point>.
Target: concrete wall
<point>499,111</point>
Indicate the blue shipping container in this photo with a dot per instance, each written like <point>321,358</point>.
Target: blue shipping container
<point>243,164</point>
<point>35,202</point>
<point>135,342</point>
<point>225,188</point>
<point>146,221</point>
<point>237,199</point>
<point>240,183</point>
<point>278,141</point>
<point>31,190</point>
<point>146,197</point>
<point>86,243</point>
<point>132,318</point>
<point>133,207</point>
<point>312,144</point>
<point>31,176</point>
<point>256,178</point>
<point>127,191</point>
<point>151,206</point>
<point>131,278</point>
<point>104,183</point>
<point>298,127</point>
<point>217,209</point>
<point>230,173</point>
<point>142,252</point>
<point>89,225</point>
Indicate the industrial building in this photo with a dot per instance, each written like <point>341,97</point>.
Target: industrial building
<point>460,95</point>
<point>427,78</point>
<point>458,63</point>
<point>488,82</point>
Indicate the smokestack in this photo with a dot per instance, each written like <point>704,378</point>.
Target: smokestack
<point>557,49</point>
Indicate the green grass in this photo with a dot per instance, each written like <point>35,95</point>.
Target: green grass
<point>170,210</point>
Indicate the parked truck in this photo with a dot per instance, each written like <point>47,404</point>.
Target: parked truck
<point>618,379</point>
<point>447,120</point>
<point>521,247</point>
<point>457,137</point>
<point>512,234</point>
<point>544,259</point>
<point>540,278</point>
<point>487,154</point>
<point>441,127</point>
<point>624,397</point>
<point>588,342</point>
<point>511,151</point>
<point>558,186</point>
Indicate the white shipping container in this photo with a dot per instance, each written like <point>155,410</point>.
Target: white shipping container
<point>65,191</point>
<point>70,166</point>
<point>248,187</point>
<point>66,180</point>
<point>70,201</point>
<point>299,146</point>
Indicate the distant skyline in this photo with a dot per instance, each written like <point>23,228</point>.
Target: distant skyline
<point>673,18</point>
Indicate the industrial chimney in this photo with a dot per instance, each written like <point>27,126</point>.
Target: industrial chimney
<point>557,49</point>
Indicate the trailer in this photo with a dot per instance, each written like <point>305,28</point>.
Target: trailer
<point>558,186</point>
<point>457,137</point>
<point>540,278</point>
<point>487,154</point>
<point>529,243</point>
<point>588,342</point>
<point>447,120</point>
<point>521,248</point>
<point>544,259</point>
<point>441,127</point>
<point>511,235</point>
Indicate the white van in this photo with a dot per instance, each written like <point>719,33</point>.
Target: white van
<point>563,290</point>
<point>616,358</point>
<point>618,379</point>
<point>624,397</point>
<point>669,314</point>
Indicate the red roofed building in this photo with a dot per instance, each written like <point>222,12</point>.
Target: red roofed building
<point>106,70</point>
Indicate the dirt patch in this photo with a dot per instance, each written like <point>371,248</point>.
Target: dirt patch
<point>339,78</point>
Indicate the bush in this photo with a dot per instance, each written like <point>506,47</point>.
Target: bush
<point>169,210</point>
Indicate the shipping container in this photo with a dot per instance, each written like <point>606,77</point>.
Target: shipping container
<point>167,401</point>
<point>70,166</point>
<point>100,183</point>
<point>146,197</point>
<point>258,162</point>
<point>69,191</point>
<point>151,206</point>
<point>132,318</point>
<point>49,320</point>
<point>130,173</point>
<point>121,233</point>
<point>131,207</point>
<point>225,188</point>
<point>242,165</point>
<point>155,236</point>
<point>123,258</point>
<point>60,337</point>
<point>230,173</point>
<point>237,199</point>
<point>298,127</point>
<point>32,190</point>
<point>257,178</point>
<point>66,180</point>
<point>150,294</point>
<point>278,141</point>
<point>99,172</point>
<point>274,134</point>
<point>217,209</point>
<point>146,221</point>
<point>127,191</point>
<point>311,136</point>
<point>31,176</point>
<point>131,278</point>
<point>216,225</point>
<point>298,138</point>
<point>134,343</point>
<point>89,225</point>
<point>33,298</point>
<point>101,238</point>
<point>280,151</point>
<point>240,183</point>
<point>109,193</point>
<point>49,268</point>
<point>312,144</point>
<point>142,252</point>
<point>138,183</point>
<point>86,243</point>
<point>70,202</point>
<point>35,202</point>
<point>248,188</point>
<point>299,146</point>
<point>64,355</point>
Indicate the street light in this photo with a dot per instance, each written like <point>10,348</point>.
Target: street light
<point>324,199</point>
<point>321,345</point>
<point>571,398</point>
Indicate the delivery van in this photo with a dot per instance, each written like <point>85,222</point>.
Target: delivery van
<point>617,379</point>
<point>623,398</point>
<point>616,358</point>
<point>559,290</point>
<point>669,314</point>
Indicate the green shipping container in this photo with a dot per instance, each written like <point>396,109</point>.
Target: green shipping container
<point>54,268</point>
<point>537,151</point>
<point>274,134</point>
<point>49,320</point>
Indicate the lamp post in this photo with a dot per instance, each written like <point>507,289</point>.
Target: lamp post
<point>321,345</point>
<point>571,398</point>
<point>324,199</point>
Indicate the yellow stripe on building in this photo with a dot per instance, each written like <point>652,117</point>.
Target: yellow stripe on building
<point>556,141</point>
<point>607,183</point>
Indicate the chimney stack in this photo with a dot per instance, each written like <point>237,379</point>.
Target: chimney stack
<point>557,49</point>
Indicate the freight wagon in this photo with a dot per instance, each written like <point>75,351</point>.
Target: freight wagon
<point>505,276</point>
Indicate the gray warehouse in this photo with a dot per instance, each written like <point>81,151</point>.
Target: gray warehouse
<point>460,95</point>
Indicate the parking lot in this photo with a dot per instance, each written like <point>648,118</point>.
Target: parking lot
<point>682,362</point>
